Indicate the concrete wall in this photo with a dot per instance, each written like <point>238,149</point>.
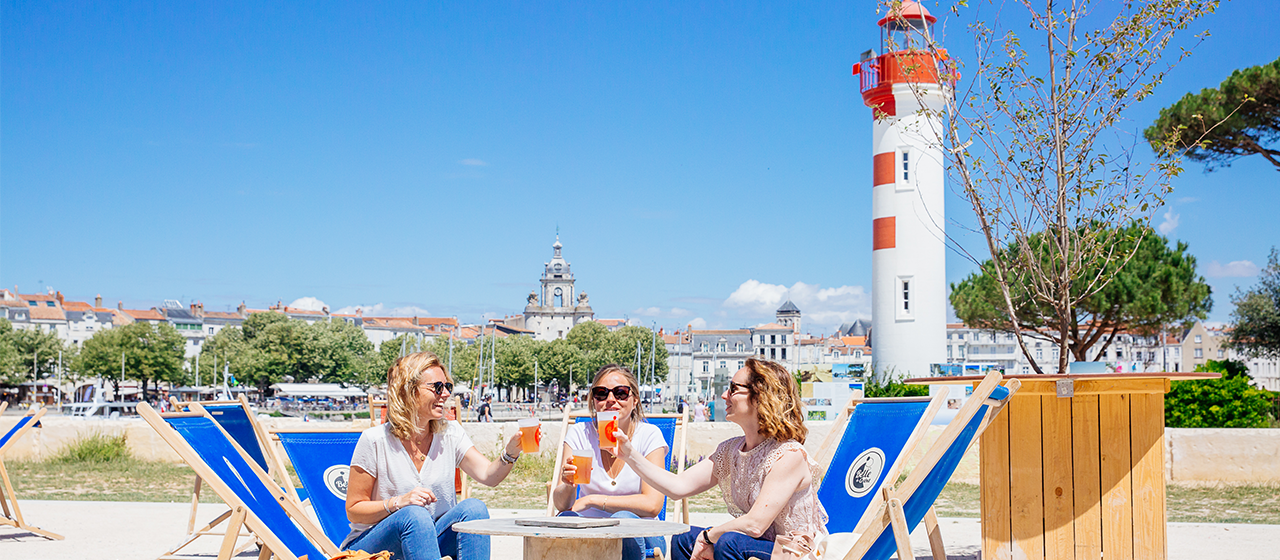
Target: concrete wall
<point>1192,455</point>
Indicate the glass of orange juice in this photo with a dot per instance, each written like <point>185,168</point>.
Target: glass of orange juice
<point>530,434</point>
<point>582,462</point>
<point>608,424</point>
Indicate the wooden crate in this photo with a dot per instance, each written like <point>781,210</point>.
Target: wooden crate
<point>1077,477</point>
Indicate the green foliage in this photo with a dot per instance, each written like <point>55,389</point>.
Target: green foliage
<point>881,383</point>
<point>1256,319</point>
<point>1156,287</point>
<point>152,353</point>
<point>28,354</point>
<point>271,348</point>
<point>94,448</point>
<point>1228,402</point>
<point>1239,118</point>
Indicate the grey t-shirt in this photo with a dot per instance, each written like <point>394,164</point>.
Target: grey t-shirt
<point>384,456</point>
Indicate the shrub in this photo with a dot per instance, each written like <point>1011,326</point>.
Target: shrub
<point>277,414</point>
<point>94,448</point>
<point>886,384</point>
<point>1228,402</point>
<point>362,414</point>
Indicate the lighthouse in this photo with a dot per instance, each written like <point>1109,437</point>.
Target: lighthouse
<point>905,87</point>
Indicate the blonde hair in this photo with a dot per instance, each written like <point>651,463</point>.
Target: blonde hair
<point>402,393</point>
<point>637,412</point>
<point>777,401</point>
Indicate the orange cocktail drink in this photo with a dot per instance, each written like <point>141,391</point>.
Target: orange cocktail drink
<point>607,423</point>
<point>582,462</point>
<point>530,434</point>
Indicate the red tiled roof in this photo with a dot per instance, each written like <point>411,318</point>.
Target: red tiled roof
<point>38,297</point>
<point>854,340</point>
<point>772,326</point>
<point>76,306</point>
<point>452,321</point>
<point>144,314</point>
<point>47,313</point>
<point>221,314</point>
<point>300,311</point>
<point>611,322</point>
<point>734,331</point>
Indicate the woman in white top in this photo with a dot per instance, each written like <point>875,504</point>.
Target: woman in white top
<point>766,477</point>
<point>615,489</point>
<point>400,494</point>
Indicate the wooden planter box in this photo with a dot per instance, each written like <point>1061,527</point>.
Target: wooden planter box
<point>1078,476</point>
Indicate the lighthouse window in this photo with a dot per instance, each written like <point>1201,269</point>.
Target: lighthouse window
<point>906,161</point>
<point>906,295</point>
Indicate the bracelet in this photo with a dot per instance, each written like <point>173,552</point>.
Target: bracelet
<point>509,458</point>
<point>606,502</point>
<point>706,537</point>
<point>384,506</point>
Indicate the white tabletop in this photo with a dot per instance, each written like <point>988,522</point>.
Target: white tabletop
<point>626,528</point>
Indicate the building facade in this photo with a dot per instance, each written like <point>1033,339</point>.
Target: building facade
<point>558,306</point>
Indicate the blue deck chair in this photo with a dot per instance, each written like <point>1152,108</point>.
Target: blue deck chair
<point>9,500</point>
<point>238,420</point>
<point>322,459</point>
<point>257,503</point>
<point>876,436</point>
<point>887,529</point>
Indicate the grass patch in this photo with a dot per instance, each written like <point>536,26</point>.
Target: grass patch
<point>94,448</point>
<point>1251,503</point>
<point>122,480</point>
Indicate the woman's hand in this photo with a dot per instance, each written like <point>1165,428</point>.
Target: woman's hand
<point>513,444</point>
<point>587,502</point>
<point>418,497</point>
<point>702,551</point>
<point>624,450</point>
<point>568,471</point>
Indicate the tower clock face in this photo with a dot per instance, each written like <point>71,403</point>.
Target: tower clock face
<point>559,292</point>
<point>558,267</point>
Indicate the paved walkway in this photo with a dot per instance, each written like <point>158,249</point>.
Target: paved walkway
<point>141,531</point>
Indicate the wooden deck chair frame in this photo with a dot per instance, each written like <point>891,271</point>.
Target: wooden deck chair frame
<point>211,529</point>
<point>281,456</point>
<point>462,486</point>
<point>889,514</point>
<point>241,516</point>
<point>827,450</point>
<point>677,455</point>
<point>8,499</point>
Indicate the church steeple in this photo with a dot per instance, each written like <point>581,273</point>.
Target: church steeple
<point>560,306</point>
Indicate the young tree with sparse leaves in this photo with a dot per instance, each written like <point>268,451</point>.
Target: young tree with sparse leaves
<point>1255,323</point>
<point>1035,141</point>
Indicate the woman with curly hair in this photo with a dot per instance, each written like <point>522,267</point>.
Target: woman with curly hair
<point>767,479</point>
<point>400,494</point>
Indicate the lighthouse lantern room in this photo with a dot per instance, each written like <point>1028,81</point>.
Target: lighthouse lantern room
<point>908,257</point>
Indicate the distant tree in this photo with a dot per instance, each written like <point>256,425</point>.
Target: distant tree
<point>1239,118</point>
<point>1158,286</point>
<point>1255,323</point>
<point>35,354</point>
<point>624,343</point>
<point>559,359</point>
<point>102,356</point>
<point>1228,402</point>
<point>10,360</point>
<point>152,353</point>
<point>587,335</point>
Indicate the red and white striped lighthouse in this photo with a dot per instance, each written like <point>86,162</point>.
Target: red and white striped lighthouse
<point>908,259</point>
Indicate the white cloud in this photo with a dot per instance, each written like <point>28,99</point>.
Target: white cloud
<point>309,303</point>
<point>1188,200</point>
<point>820,306</point>
<point>698,323</point>
<point>678,312</point>
<point>474,162</point>
<point>647,312</point>
<point>380,310</point>
<point>1233,269</point>
<point>1170,222</point>
<point>659,312</point>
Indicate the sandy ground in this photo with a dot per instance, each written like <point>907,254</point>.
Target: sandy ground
<point>142,531</point>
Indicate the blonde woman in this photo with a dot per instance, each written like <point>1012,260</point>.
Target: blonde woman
<point>400,495</point>
<point>615,489</point>
<point>765,475</point>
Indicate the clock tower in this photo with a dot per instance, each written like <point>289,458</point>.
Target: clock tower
<point>560,306</point>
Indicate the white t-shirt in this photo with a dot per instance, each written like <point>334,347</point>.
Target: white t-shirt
<point>583,435</point>
<point>384,456</point>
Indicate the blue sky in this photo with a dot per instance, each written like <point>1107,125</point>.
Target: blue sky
<point>700,160</point>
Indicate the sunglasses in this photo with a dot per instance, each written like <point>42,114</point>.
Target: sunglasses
<point>441,387</point>
<point>735,387</point>
<point>621,392</point>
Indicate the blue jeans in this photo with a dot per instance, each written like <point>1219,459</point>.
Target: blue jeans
<point>730,546</point>
<point>632,549</point>
<point>407,534</point>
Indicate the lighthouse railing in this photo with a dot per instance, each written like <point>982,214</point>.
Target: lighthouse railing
<point>870,74</point>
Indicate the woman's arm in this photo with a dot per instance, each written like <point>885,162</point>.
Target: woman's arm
<point>788,475</point>
<point>562,494</point>
<point>486,472</point>
<point>695,480</point>
<point>362,508</point>
<point>645,504</point>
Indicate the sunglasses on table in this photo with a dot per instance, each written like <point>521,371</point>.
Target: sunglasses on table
<point>441,387</point>
<point>621,392</point>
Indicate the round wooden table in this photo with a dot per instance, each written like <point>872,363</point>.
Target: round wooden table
<point>593,543</point>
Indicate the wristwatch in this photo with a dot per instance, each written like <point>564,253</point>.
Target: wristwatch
<point>706,537</point>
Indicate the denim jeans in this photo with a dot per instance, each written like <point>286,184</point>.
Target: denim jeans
<point>730,546</point>
<point>407,534</point>
<point>632,549</point>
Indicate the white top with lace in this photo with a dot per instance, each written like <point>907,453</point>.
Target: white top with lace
<point>741,474</point>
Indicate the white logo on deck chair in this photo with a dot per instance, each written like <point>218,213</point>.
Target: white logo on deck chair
<point>335,479</point>
<point>864,472</point>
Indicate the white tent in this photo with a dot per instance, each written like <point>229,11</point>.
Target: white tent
<point>333,390</point>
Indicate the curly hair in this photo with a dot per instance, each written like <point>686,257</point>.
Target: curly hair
<point>777,401</point>
<point>402,393</point>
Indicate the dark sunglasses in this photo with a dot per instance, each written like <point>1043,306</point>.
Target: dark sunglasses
<point>621,392</point>
<point>734,387</point>
<point>441,387</point>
